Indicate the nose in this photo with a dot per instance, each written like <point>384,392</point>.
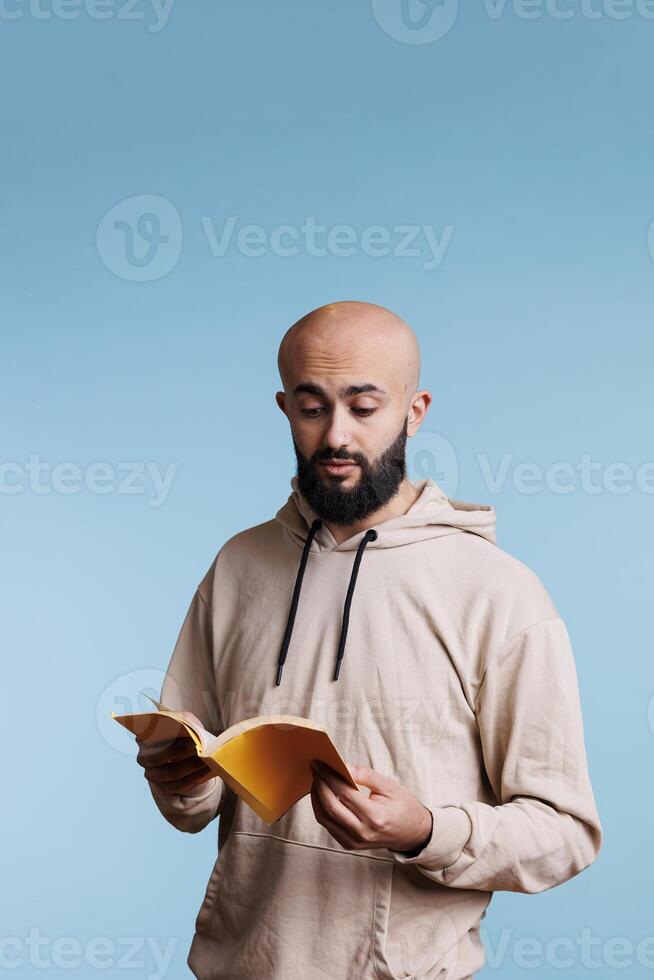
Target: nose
<point>337,433</point>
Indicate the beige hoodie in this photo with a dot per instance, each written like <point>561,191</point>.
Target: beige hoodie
<point>457,679</point>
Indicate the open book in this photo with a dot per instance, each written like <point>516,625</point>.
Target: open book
<point>265,760</point>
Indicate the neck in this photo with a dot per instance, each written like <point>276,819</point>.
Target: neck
<point>405,497</point>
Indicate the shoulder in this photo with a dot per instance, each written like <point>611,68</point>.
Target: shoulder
<point>510,592</point>
<point>241,552</point>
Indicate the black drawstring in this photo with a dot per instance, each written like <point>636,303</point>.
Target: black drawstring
<point>368,536</point>
<point>317,524</point>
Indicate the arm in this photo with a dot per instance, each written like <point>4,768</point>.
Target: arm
<point>546,828</point>
<point>189,685</point>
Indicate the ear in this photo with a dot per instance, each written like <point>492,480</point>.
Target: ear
<point>417,411</point>
<point>280,398</point>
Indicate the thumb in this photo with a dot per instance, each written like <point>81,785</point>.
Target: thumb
<point>377,782</point>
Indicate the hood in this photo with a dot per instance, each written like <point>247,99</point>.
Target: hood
<point>433,515</point>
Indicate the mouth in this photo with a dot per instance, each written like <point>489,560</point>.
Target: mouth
<point>338,467</point>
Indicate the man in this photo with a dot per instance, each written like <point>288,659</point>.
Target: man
<point>437,662</point>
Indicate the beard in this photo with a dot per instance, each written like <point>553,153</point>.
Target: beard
<point>378,482</point>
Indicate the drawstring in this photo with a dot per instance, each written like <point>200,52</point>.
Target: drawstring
<point>317,524</point>
<point>368,536</point>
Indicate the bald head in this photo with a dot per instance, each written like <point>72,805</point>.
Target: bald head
<point>350,373</point>
<point>351,338</point>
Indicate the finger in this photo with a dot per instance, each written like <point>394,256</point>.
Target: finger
<point>335,806</point>
<point>339,834</point>
<point>186,785</point>
<point>356,801</point>
<point>157,754</point>
<point>331,777</point>
<point>175,771</point>
<point>376,781</point>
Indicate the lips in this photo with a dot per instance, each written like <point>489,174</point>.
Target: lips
<point>338,467</point>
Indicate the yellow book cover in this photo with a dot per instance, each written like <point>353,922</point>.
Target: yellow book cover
<point>265,760</point>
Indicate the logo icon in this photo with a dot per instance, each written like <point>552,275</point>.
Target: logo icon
<point>430,456</point>
<point>140,238</point>
<point>124,695</point>
<point>415,21</point>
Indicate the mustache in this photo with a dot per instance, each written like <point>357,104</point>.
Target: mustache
<point>337,455</point>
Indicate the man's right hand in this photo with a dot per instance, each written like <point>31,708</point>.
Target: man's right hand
<point>173,766</point>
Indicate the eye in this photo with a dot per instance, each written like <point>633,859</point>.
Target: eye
<point>312,413</point>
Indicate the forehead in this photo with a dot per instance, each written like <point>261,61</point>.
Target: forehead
<point>344,370</point>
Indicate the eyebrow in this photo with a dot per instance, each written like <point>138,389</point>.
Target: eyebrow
<point>347,392</point>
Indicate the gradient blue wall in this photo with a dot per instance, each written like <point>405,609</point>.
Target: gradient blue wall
<point>517,138</point>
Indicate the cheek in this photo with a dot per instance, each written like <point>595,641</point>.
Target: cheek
<point>374,445</point>
<point>306,439</point>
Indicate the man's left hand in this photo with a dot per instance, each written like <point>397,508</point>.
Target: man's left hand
<point>391,817</point>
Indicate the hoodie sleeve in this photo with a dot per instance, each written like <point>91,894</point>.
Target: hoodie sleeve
<point>545,828</point>
<point>189,685</point>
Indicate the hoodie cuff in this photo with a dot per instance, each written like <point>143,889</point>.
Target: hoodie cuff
<point>202,790</point>
<point>451,831</point>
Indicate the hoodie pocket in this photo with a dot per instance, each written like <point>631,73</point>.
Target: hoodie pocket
<point>415,932</point>
<point>285,910</point>
<point>205,914</point>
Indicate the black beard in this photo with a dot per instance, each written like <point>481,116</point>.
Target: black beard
<point>377,483</point>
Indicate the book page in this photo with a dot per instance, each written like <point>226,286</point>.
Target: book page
<point>203,737</point>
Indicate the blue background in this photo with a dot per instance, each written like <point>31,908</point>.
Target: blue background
<point>533,139</point>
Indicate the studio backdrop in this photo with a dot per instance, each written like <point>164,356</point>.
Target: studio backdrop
<point>180,183</point>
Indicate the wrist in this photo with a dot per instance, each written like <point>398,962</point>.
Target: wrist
<point>425,837</point>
